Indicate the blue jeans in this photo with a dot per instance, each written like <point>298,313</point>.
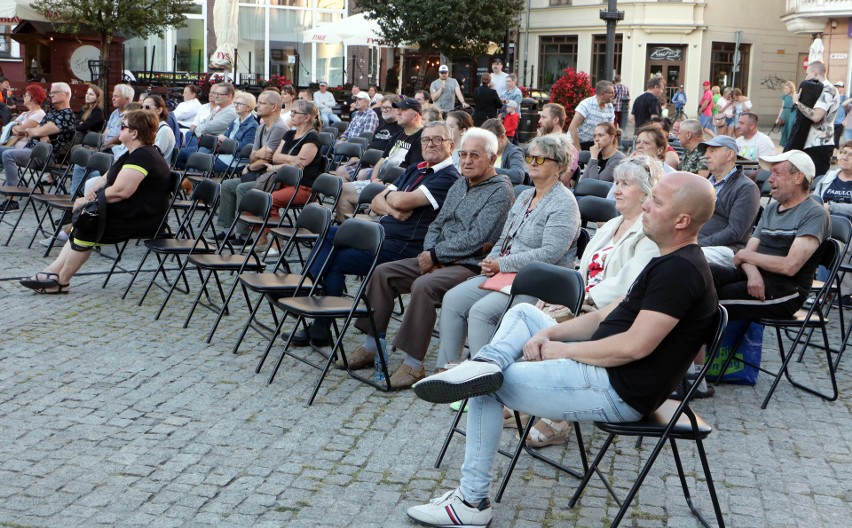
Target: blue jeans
<point>561,389</point>
<point>188,149</point>
<point>77,175</point>
<point>328,118</point>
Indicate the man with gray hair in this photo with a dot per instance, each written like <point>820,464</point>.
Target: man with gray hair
<point>690,135</point>
<point>56,128</point>
<point>737,202</point>
<point>590,113</point>
<point>464,231</point>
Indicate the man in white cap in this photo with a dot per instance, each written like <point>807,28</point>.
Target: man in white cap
<point>325,104</point>
<point>737,202</point>
<point>774,272</point>
<point>445,89</point>
<point>363,119</point>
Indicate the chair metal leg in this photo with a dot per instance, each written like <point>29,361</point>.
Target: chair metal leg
<point>247,325</point>
<point>119,254</point>
<point>136,274</point>
<point>201,290</point>
<point>587,476</point>
<point>453,430</point>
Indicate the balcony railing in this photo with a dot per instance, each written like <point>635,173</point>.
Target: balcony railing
<point>820,7</point>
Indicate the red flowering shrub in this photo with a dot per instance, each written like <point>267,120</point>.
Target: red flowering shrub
<point>278,81</point>
<point>570,89</point>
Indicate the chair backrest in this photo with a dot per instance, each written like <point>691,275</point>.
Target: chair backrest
<point>363,142</point>
<point>245,152</point>
<point>208,141</point>
<point>841,229</point>
<point>80,156</point>
<point>760,177</point>
<point>206,191</point>
<point>255,202</point>
<point>200,162</point>
<point>552,284</point>
<point>348,149</point>
<point>174,157</point>
<point>327,186</point>
<point>589,187</point>
<point>582,241</point>
<point>369,192</point>
<point>289,176</point>
<point>370,157</point>
<point>367,135</point>
<point>40,155</point>
<point>359,234</point>
<point>595,209</point>
<point>92,140</point>
<point>229,147</point>
<point>583,157</point>
<point>334,131</point>
<point>99,161</point>
<point>391,173</point>
<point>341,126</point>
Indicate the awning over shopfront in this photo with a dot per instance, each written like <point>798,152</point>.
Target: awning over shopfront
<point>14,11</point>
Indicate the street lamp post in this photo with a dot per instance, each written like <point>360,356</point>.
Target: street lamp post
<point>611,15</point>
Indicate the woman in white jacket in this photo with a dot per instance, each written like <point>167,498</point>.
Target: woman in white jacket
<point>612,260</point>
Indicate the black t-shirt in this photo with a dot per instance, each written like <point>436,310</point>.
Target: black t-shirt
<point>383,135</point>
<point>679,285</point>
<point>644,107</point>
<point>404,150</point>
<point>150,201</point>
<point>838,192</point>
<point>435,185</point>
<point>291,147</point>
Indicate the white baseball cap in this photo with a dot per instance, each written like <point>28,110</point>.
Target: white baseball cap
<point>443,68</point>
<point>799,159</point>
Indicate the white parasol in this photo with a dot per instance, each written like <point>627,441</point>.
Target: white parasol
<point>14,11</point>
<point>355,30</point>
<point>225,18</point>
<point>816,50</point>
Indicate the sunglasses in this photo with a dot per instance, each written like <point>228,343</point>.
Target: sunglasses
<point>536,161</point>
<point>127,127</point>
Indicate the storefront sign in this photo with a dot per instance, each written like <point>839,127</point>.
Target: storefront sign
<point>80,61</point>
<point>839,56</point>
<point>667,54</point>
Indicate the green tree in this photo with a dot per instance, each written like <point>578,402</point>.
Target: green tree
<point>108,18</point>
<point>451,27</point>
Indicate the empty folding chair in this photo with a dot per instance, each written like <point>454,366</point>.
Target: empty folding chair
<point>257,203</point>
<point>205,197</point>
<point>673,421</point>
<point>198,166</point>
<point>31,181</point>
<point>589,187</point>
<point>276,284</point>
<point>554,285</point>
<point>354,234</point>
<point>345,151</point>
<point>227,154</point>
<point>596,210</point>
<point>327,140</point>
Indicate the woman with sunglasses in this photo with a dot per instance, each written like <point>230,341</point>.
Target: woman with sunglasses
<point>612,260</point>
<point>605,156</point>
<point>542,226</point>
<point>136,190</point>
<point>165,139</point>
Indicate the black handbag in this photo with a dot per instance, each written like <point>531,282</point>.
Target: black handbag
<point>89,221</point>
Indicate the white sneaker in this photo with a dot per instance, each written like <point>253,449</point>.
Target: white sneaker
<point>468,379</point>
<point>61,239</point>
<point>451,510</point>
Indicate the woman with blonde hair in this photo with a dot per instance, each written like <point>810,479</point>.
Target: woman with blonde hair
<point>787,113</point>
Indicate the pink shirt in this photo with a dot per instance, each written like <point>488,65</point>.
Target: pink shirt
<point>708,98</point>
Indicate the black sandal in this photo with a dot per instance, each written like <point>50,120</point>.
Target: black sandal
<point>42,285</point>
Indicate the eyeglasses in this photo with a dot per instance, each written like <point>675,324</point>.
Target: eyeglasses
<point>536,161</point>
<point>239,104</point>
<point>474,156</point>
<point>55,93</point>
<point>433,140</point>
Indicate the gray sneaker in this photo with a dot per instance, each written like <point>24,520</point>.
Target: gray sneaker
<point>61,239</point>
<point>469,379</point>
<point>451,510</point>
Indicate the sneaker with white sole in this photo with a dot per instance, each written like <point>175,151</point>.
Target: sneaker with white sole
<point>451,510</point>
<point>61,239</point>
<point>469,379</point>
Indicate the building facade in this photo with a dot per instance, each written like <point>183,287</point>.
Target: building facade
<point>687,41</point>
<point>832,21</point>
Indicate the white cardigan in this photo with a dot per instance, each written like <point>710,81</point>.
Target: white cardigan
<point>623,264</point>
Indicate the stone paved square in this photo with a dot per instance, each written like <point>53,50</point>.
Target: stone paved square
<point>110,418</point>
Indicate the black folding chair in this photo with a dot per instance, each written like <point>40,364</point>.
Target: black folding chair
<point>554,285</point>
<point>365,198</point>
<point>64,203</point>
<point>276,284</point>
<point>334,131</point>
<point>30,182</point>
<point>589,187</point>
<point>327,140</point>
<point>257,203</point>
<point>368,159</point>
<point>205,198</point>
<point>354,234</point>
<point>596,210</point>
<point>362,142</point>
<point>229,147</point>
<point>345,151</point>
<point>673,421</point>
<point>582,241</point>
<point>199,166</point>
<point>390,174</point>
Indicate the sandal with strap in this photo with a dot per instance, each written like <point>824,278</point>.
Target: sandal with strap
<point>509,419</point>
<point>548,433</point>
<point>51,280</point>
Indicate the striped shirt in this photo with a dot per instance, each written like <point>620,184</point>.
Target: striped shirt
<point>593,116</point>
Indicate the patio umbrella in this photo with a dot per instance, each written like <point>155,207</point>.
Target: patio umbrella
<point>13,11</point>
<point>355,30</point>
<point>225,15</point>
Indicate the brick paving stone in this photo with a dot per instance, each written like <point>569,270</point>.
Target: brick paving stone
<point>128,421</point>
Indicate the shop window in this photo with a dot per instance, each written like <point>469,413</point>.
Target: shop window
<point>555,54</point>
<point>599,57</point>
<point>722,64</point>
<point>560,3</point>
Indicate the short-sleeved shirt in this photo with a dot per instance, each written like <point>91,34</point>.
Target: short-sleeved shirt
<point>708,99</point>
<point>291,147</point>
<point>621,98</point>
<point>64,120</point>
<point>777,230</point>
<point>822,134</point>
<point>593,116</point>
<point>434,185</point>
<point>679,285</point>
<point>404,150</point>
<point>644,107</point>
<point>692,161</point>
<point>498,82</point>
<point>383,135</point>
<point>447,100</point>
<point>759,145</point>
<point>838,192</point>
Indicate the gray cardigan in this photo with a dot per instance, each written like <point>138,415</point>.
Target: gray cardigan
<point>470,218</point>
<point>548,235</point>
<point>512,164</point>
<point>736,208</point>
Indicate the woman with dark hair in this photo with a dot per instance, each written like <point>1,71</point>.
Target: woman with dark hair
<point>90,118</point>
<point>136,191</point>
<point>288,95</point>
<point>486,102</point>
<point>459,122</point>
<point>34,96</point>
<point>165,139</point>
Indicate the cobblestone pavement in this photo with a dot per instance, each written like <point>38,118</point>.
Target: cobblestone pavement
<point>109,418</point>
